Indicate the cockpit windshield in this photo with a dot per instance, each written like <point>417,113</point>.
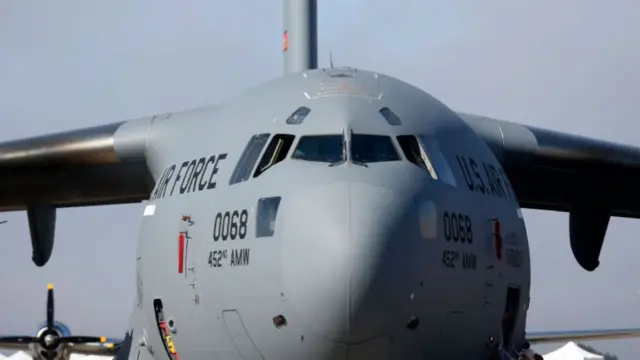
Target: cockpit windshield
<point>320,148</point>
<point>372,148</point>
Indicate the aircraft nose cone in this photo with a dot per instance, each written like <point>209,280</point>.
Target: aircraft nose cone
<point>49,339</point>
<point>343,270</point>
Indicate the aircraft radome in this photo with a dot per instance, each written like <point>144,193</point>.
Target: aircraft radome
<point>353,216</point>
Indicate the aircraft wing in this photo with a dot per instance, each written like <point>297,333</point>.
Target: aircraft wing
<point>14,345</point>
<point>109,348</point>
<point>588,178</point>
<point>93,166</point>
<point>546,337</point>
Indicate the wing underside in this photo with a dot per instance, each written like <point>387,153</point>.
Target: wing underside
<point>94,166</point>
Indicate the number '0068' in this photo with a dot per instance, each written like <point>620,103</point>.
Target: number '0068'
<point>457,228</point>
<point>230,225</point>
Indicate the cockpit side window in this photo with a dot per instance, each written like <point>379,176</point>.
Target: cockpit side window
<point>298,116</point>
<point>425,152</point>
<point>390,116</point>
<point>440,163</point>
<point>248,159</point>
<point>372,148</point>
<point>415,154</point>
<point>320,148</point>
<point>276,151</point>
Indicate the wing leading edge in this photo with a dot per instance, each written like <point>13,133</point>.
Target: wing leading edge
<point>590,179</point>
<point>547,337</point>
<point>109,348</point>
<point>93,166</point>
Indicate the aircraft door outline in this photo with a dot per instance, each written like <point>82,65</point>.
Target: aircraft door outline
<point>239,335</point>
<point>512,308</point>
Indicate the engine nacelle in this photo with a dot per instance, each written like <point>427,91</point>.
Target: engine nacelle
<point>587,229</point>
<point>42,226</point>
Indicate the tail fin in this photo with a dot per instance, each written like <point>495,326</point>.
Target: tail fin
<point>300,35</point>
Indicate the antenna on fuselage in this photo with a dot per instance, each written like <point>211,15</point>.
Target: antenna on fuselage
<point>300,42</point>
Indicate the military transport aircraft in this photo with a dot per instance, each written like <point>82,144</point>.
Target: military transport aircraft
<point>333,213</point>
<point>54,340</point>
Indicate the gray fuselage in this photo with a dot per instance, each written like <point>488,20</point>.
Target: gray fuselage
<point>357,259</point>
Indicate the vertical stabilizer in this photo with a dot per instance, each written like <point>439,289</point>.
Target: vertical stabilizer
<point>300,42</point>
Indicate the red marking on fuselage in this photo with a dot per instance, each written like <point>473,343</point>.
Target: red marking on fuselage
<point>497,238</point>
<point>181,240</point>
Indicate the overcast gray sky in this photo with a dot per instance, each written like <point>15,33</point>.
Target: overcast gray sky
<point>570,65</point>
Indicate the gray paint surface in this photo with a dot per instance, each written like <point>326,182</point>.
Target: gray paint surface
<point>537,103</point>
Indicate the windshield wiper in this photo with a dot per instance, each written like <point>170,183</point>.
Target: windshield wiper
<point>361,163</point>
<point>344,154</point>
<point>354,161</point>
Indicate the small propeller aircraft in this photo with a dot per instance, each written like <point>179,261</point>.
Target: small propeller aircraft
<point>332,213</point>
<point>54,341</point>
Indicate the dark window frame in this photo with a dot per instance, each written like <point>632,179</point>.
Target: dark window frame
<point>249,158</point>
<point>391,117</point>
<point>310,136</point>
<point>266,214</point>
<point>277,151</point>
<point>353,155</point>
<point>298,116</point>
